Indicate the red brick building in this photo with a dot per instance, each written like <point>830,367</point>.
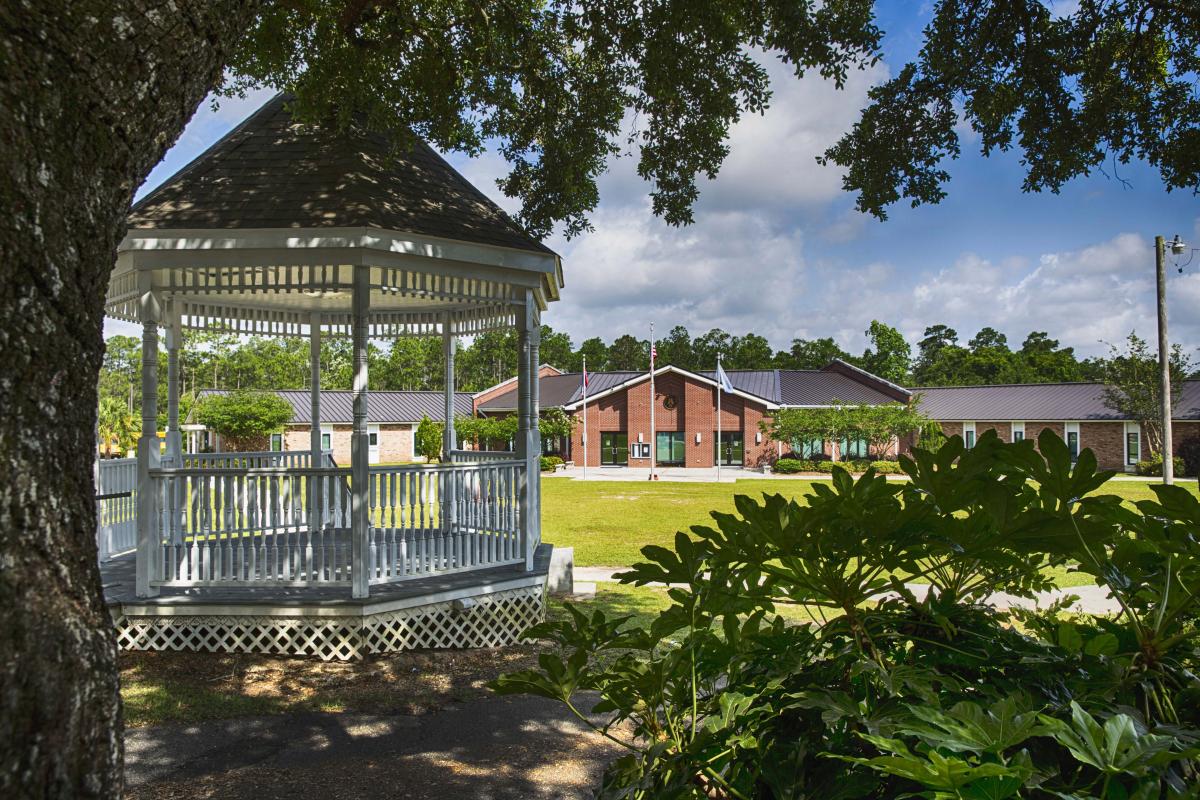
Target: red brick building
<point>685,411</point>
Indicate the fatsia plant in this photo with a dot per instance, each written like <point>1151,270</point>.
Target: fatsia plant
<point>845,646</point>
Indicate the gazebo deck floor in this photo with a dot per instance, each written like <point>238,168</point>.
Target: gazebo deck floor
<point>118,578</point>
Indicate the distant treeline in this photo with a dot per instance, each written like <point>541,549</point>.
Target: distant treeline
<point>229,362</point>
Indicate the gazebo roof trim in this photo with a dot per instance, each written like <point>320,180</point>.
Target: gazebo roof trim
<point>272,172</point>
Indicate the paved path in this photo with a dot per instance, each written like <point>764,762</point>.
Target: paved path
<point>495,748</point>
<point>1092,599</point>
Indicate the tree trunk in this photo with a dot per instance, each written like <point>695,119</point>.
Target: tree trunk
<point>92,93</point>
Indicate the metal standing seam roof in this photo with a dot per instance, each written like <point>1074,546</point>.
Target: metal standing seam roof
<point>821,388</point>
<point>383,407</point>
<point>780,387</point>
<point>274,172</point>
<point>1035,401</point>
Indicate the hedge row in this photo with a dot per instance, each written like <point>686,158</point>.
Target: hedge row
<point>791,466</point>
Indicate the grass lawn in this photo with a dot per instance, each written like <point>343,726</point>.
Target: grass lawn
<point>608,522</point>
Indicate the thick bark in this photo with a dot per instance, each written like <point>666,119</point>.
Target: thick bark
<point>92,92</point>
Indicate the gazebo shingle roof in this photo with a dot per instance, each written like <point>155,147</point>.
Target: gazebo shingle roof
<point>274,172</point>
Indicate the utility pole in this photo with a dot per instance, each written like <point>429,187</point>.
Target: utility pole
<point>1164,360</point>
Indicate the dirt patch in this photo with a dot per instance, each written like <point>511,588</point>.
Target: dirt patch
<point>163,687</point>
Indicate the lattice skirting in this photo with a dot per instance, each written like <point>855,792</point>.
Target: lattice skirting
<point>495,619</point>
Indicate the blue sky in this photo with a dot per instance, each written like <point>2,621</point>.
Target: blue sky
<point>778,249</point>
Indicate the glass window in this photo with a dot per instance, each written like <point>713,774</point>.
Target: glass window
<point>808,448</point>
<point>669,448</point>
<point>969,438</point>
<point>326,441</point>
<point>374,438</point>
<point>1018,436</point>
<point>853,447</point>
<point>1073,444</point>
<point>276,442</point>
<point>1133,447</point>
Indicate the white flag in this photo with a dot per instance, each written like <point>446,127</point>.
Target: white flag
<point>723,379</point>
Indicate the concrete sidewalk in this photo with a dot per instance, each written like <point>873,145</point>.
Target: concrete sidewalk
<point>1092,599</point>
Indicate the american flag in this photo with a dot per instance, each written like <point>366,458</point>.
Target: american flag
<point>653,351</point>
<point>585,376</point>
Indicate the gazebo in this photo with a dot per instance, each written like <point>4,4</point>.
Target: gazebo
<point>286,229</point>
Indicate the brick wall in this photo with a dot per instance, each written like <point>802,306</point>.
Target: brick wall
<point>395,442</point>
<point>694,412</point>
<point>1106,439</point>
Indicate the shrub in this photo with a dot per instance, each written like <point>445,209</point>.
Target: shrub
<point>1189,451</point>
<point>550,463</point>
<point>887,467</point>
<point>427,441</point>
<point>1154,466</point>
<point>244,419</point>
<point>789,466</point>
<point>884,694</point>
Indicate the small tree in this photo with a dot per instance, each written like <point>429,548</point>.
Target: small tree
<point>1133,387</point>
<point>117,424</point>
<point>244,419</point>
<point>880,425</point>
<point>428,440</point>
<point>555,423</point>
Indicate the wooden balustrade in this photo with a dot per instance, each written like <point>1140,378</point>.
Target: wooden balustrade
<point>481,456</point>
<point>237,526</point>
<point>281,525</point>
<point>442,518</point>
<point>293,459</point>
<point>116,506</point>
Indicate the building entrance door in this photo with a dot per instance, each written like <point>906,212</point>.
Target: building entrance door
<point>614,449</point>
<point>730,451</point>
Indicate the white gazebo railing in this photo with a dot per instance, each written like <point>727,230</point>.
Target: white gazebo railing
<point>283,525</point>
<point>267,458</point>
<point>481,456</point>
<point>116,506</point>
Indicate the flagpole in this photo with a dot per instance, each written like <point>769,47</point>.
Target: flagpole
<point>585,447</point>
<point>653,441</point>
<point>718,447</point>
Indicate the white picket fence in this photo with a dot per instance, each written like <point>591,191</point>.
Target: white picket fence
<point>116,506</point>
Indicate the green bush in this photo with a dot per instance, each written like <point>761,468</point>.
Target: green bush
<point>1189,451</point>
<point>427,441</point>
<point>1154,466</point>
<point>244,419</point>
<point>887,467</point>
<point>790,466</point>
<point>550,463</point>
<point>886,695</point>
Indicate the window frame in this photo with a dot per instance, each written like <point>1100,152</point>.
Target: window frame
<point>1131,459</point>
<point>844,448</point>
<point>276,437</point>
<point>326,431</point>
<point>969,427</point>
<point>1068,429</point>
<point>1017,427</point>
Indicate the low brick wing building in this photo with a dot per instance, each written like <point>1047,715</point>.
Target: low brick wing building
<point>394,418</point>
<point>1075,411</point>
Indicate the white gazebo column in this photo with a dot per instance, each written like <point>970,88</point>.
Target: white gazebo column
<point>314,439</point>
<point>174,331</point>
<point>148,549</point>
<point>314,366</point>
<point>529,448</point>
<point>450,501</point>
<point>360,444</point>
